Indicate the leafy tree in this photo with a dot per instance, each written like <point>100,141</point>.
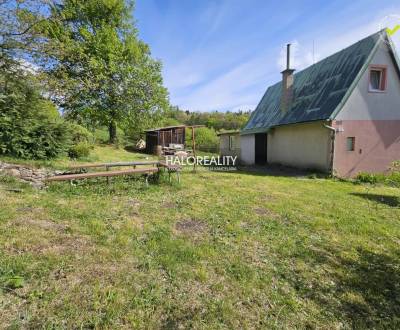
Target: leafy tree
<point>20,26</point>
<point>101,71</point>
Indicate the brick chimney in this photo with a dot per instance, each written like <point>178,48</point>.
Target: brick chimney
<point>287,84</point>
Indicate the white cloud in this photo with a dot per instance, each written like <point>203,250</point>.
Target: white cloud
<point>234,87</point>
<point>237,88</point>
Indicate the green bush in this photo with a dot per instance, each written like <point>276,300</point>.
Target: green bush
<point>80,134</point>
<point>80,150</point>
<point>206,139</point>
<point>367,178</point>
<point>29,137</point>
<point>392,178</point>
<point>30,126</point>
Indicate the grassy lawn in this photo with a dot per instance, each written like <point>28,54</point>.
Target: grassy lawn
<point>100,153</point>
<point>220,250</point>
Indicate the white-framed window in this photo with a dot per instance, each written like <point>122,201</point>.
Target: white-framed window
<point>231,142</point>
<point>351,143</point>
<point>377,79</point>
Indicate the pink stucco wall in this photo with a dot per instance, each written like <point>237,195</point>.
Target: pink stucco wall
<point>377,145</point>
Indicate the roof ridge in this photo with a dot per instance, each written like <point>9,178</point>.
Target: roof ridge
<point>345,48</point>
<point>322,86</point>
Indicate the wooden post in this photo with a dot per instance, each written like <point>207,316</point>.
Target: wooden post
<point>194,149</point>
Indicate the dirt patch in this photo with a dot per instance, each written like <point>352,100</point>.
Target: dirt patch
<point>267,198</point>
<point>69,244</point>
<point>58,245</point>
<point>41,236</point>
<point>192,227</point>
<point>261,211</point>
<point>133,207</point>
<point>137,222</point>
<point>42,224</point>
<point>169,205</point>
<point>25,209</point>
<point>133,202</point>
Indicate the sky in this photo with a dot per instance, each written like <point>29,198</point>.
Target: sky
<point>223,54</point>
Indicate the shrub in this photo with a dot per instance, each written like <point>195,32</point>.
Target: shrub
<point>32,138</point>
<point>206,139</point>
<point>30,126</point>
<point>80,134</point>
<point>80,150</point>
<point>367,178</point>
<point>392,178</point>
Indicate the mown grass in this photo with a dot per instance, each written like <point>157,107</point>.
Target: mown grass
<point>220,250</point>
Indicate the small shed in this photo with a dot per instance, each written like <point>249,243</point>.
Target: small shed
<point>229,143</point>
<point>164,137</point>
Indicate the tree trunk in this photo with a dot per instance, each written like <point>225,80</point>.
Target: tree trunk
<point>112,130</point>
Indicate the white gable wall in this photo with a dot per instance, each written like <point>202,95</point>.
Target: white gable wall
<point>364,105</point>
<point>373,120</point>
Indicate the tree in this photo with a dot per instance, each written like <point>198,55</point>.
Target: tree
<point>98,66</point>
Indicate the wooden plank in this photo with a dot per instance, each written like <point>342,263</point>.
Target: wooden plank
<point>135,163</point>
<point>103,174</point>
<point>194,148</point>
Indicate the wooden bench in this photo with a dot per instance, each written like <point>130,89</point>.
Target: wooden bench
<point>66,177</point>
<point>146,171</point>
<point>108,165</point>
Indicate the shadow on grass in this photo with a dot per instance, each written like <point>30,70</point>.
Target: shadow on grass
<point>133,149</point>
<point>392,201</point>
<point>365,291</point>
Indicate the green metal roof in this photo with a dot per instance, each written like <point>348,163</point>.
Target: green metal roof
<point>319,90</point>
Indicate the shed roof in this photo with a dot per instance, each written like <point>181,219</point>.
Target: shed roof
<point>319,90</point>
<point>164,128</point>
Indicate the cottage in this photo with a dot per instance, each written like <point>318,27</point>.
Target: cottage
<point>340,115</point>
<point>229,143</point>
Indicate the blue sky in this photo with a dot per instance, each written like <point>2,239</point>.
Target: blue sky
<point>223,54</point>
